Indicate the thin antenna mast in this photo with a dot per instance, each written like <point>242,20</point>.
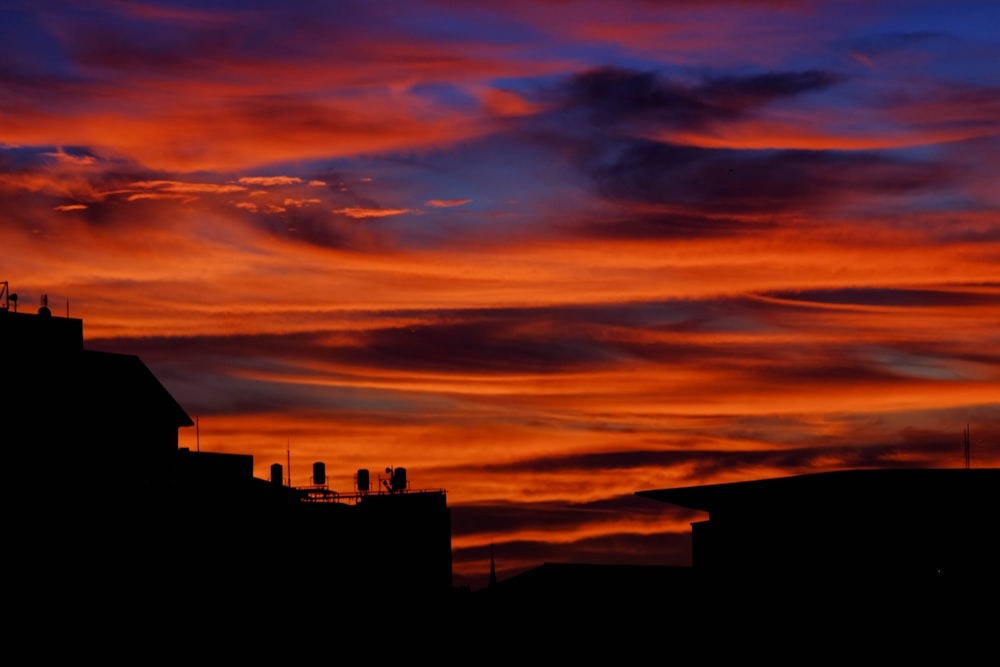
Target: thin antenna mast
<point>7,296</point>
<point>968,448</point>
<point>493,569</point>
<point>288,453</point>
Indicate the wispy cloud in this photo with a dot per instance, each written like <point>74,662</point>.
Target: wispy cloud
<point>543,254</point>
<point>270,180</point>
<point>446,203</point>
<point>179,187</point>
<point>359,212</point>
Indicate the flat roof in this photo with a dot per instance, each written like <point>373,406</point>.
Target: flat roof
<point>872,487</point>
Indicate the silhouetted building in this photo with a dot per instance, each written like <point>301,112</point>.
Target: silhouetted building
<point>100,484</point>
<point>319,547</point>
<point>567,586</point>
<point>894,525</point>
<point>89,440</point>
<point>83,417</point>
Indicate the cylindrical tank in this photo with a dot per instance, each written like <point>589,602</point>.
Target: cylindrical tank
<point>399,479</point>
<point>276,474</point>
<point>319,473</point>
<point>363,480</point>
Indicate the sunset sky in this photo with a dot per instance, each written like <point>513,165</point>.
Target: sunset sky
<point>543,254</point>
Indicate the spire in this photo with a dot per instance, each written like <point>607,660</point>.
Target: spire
<point>493,569</point>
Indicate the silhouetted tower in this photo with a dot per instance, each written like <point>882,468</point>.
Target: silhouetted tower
<point>493,569</point>
<point>968,448</point>
<point>7,297</point>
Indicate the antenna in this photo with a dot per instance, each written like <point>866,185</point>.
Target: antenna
<point>7,296</point>
<point>968,448</point>
<point>288,453</point>
<point>493,569</point>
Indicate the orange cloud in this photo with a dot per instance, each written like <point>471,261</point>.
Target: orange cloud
<point>508,104</point>
<point>270,180</point>
<point>359,213</point>
<point>157,195</point>
<point>599,329</point>
<point>180,187</point>
<point>75,160</point>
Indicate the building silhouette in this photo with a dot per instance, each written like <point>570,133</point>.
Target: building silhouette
<point>905,526</point>
<point>101,488</point>
<point>106,506</point>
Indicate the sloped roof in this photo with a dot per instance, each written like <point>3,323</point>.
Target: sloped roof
<point>124,382</point>
<point>50,379</point>
<point>58,394</point>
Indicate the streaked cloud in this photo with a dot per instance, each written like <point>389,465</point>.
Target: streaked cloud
<point>359,212</point>
<point>270,180</point>
<point>77,160</point>
<point>543,254</point>
<point>178,187</point>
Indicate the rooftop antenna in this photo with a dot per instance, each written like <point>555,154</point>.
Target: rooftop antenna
<point>968,448</point>
<point>288,453</point>
<point>493,569</point>
<point>7,296</point>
